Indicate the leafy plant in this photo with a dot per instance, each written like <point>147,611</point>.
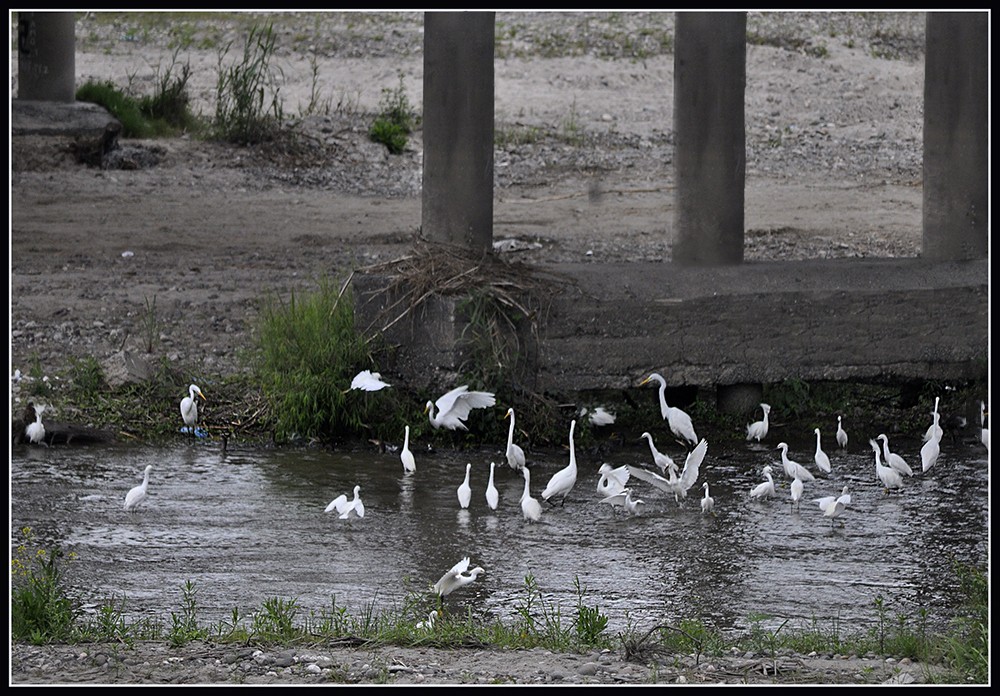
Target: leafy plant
<point>395,120</point>
<point>184,626</point>
<point>248,108</point>
<point>590,622</point>
<point>41,609</point>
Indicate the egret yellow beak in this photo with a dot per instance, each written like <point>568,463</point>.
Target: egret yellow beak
<point>643,381</point>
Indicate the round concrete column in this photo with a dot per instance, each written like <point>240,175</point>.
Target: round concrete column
<point>46,56</point>
<point>709,126</point>
<point>956,147</point>
<point>457,204</point>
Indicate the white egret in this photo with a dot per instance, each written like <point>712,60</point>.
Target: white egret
<point>624,499</point>
<point>354,507</point>
<point>797,488</point>
<point>678,485</point>
<point>342,505</point>
<point>366,380</point>
<point>465,490</point>
<point>659,458</point>
<point>492,494</point>
<point>984,435</point>
<point>406,456</point>
<point>600,417</point>
<point>35,432</point>
<point>612,480</point>
<point>562,481</point>
<point>765,489</point>
<point>930,451</point>
<point>429,623</point>
<point>530,507</point>
<point>890,478</point>
<point>792,467</point>
<point>833,506</point>
<point>515,455</point>
<point>934,429</point>
<point>893,459</point>
<point>456,577</point>
<point>707,502</point>
<point>822,460</point>
<point>138,494</point>
<point>679,421</point>
<point>758,430</point>
<point>189,406</point>
<point>454,407</point>
<point>841,434</point>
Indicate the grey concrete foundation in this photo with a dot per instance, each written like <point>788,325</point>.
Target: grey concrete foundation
<point>46,56</point>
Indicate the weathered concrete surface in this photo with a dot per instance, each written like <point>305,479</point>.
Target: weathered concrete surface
<point>606,326</point>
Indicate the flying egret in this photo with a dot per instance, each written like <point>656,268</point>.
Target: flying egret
<point>454,407</point>
<point>515,455</point>
<point>456,577</point>
<point>758,430</point>
<point>464,490</point>
<point>797,488</point>
<point>893,459</point>
<point>822,460</point>
<point>530,507</point>
<point>833,506</point>
<point>984,435</point>
<point>429,623</point>
<point>406,456</point>
<point>889,477</point>
<point>841,434</point>
<point>679,422</point>
<point>624,499</point>
<point>934,429</point>
<point>792,467</point>
<point>366,380</point>
<point>492,494</point>
<point>35,432</point>
<point>707,502</point>
<point>659,458</point>
<point>599,417</point>
<point>138,494</point>
<point>562,481</point>
<point>930,451</point>
<point>612,480</point>
<point>765,489</point>
<point>189,406</point>
<point>678,485</point>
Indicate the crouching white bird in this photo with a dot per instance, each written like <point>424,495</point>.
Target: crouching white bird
<point>758,430</point>
<point>35,432</point>
<point>612,480</point>
<point>189,406</point>
<point>833,506</point>
<point>562,481</point>
<point>366,380</point>
<point>530,507</point>
<point>765,489</point>
<point>345,508</point>
<point>454,407</point>
<point>429,623</point>
<point>624,499</point>
<point>679,421</point>
<point>599,417</point>
<point>138,494</point>
<point>456,577</point>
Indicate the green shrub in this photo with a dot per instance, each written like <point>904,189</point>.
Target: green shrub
<point>41,610</point>
<point>247,107</point>
<point>395,121</point>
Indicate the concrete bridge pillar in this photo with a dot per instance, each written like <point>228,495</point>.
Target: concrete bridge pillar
<point>46,56</point>
<point>956,147</point>
<point>709,125</point>
<point>457,205</point>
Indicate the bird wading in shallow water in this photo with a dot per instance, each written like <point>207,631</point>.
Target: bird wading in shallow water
<point>833,506</point>
<point>454,407</point>
<point>822,460</point>
<point>678,485</point>
<point>662,460</point>
<point>934,429</point>
<point>841,434</point>
<point>624,499</point>
<point>678,421</point>
<point>707,502</point>
<point>530,507</point>
<point>797,489</point>
<point>893,459</point>
<point>35,432</point>
<point>492,494</point>
<point>189,406</point>
<point>792,467</point>
<point>562,481</point>
<point>345,508</point>
<point>758,430</point>
<point>890,478</point>
<point>984,434</point>
<point>406,456</point>
<point>766,489</point>
<point>465,490</point>
<point>930,451</point>
<point>514,453</point>
<point>612,480</point>
<point>138,494</point>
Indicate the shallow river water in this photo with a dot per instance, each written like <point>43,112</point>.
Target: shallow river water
<point>247,525</point>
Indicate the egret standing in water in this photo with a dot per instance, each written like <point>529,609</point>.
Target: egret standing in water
<point>930,451</point>
<point>984,435</point>
<point>189,406</point>
<point>934,429</point>
<point>35,432</point>
<point>792,467</point>
<point>679,421</point>
<point>833,506</point>
<point>562,481</point>
<point>766,489</point>
<point>530,507</point>
<point>893,459</point>
<point>406,456</point>
<point>758,430</point>
<point>454,407</point>
<point>624,499</point>
<point>678,485</point>
<point>890,478</point>
<point>707,502</point>
<point>515,455</point>
<point>822,460</point>
<point>797,488</point>
<point>659,458</point>
<point>464,490</point>
<point>841,434</point>
<point>138,494</point>
<point>492,494</point>
<point>345,508</point>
